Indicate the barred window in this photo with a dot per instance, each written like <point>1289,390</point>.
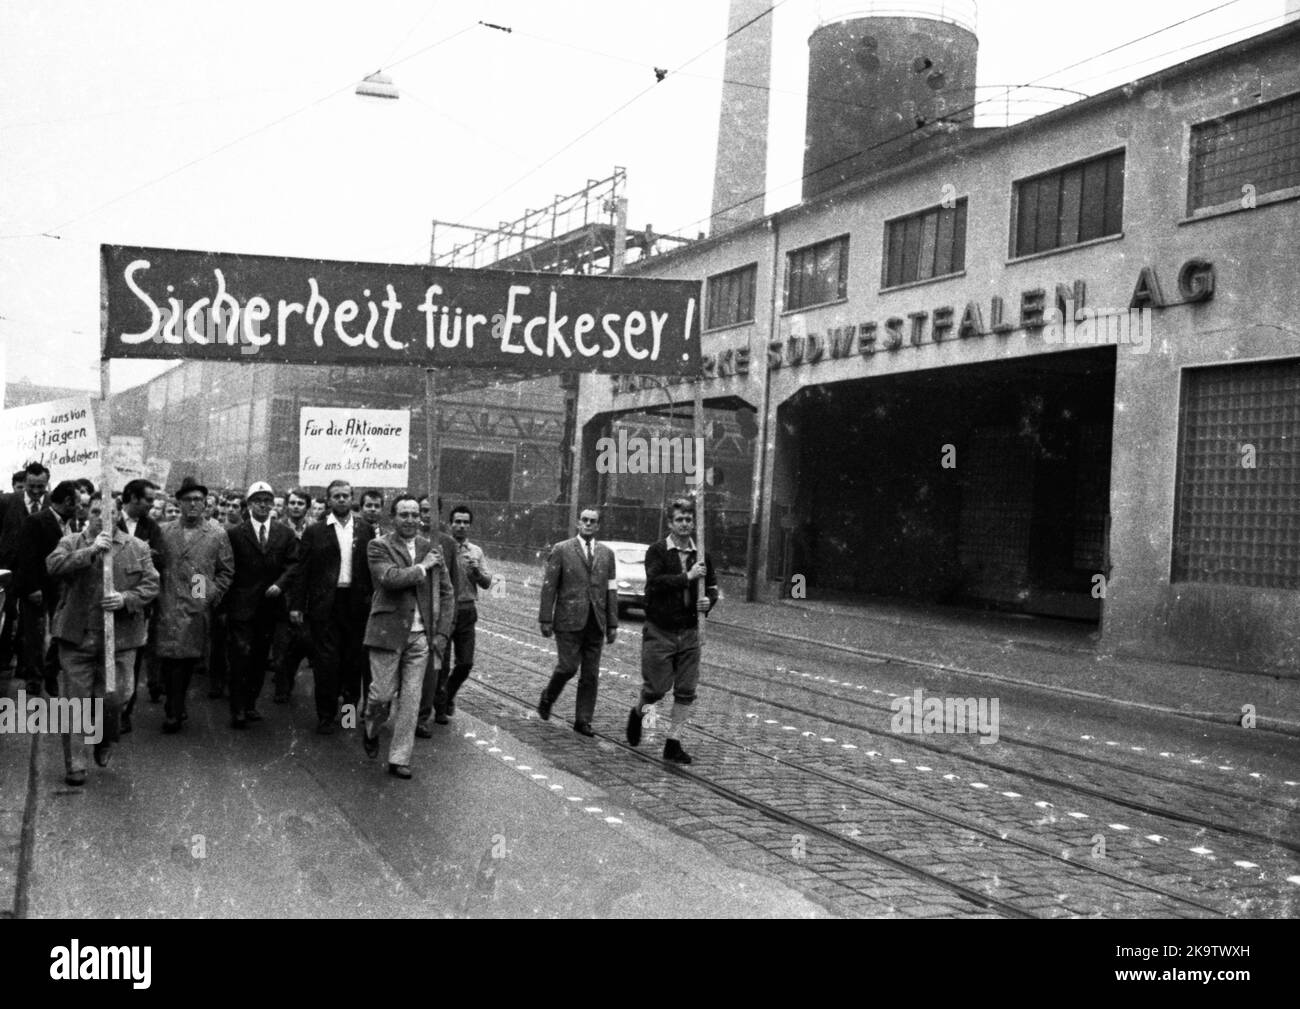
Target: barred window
<point>1069,205</point>
<point>1237,518</point>
<point>1259,147</point>
<point>730,297</point>
<point>928,244</point>
<point>817,274</point>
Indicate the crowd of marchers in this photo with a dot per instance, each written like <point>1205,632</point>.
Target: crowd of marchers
<point>372,593</point>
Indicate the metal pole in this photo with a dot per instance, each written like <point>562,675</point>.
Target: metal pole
<point>105,427</point>
<point>699,497</point>
<point>757,513</point>
<point>431,446</point>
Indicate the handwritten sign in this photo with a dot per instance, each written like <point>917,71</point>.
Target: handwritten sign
<point>59,434</point>
<point>367,448</point>
<point>170,303</point>
<point>125,461</point>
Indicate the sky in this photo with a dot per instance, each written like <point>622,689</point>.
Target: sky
<point>234,126</point>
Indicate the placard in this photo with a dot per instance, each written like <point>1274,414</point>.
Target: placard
<point>367,448</point>
<point>59,434</point>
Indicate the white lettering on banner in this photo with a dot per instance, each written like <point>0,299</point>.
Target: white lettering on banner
<point>366,447</point>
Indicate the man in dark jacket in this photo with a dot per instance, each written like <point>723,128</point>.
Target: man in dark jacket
<point>38,591</point>
<point>331,593</point>
<point>14,510</point>
<point>670,640</point>
<point>138,499</point>
<point>266,554</point>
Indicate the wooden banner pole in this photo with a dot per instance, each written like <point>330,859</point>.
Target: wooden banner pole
<point>104,430</point>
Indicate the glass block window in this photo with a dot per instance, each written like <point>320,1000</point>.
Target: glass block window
<point>1069,205</point>
<point>931,243</point>
<point>817,274</point>
<point>730,297</point>
<point>1259,147</point>
<point>1237,518</point>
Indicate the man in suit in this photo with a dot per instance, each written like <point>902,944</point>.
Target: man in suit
<point>78,626</point>
<point>331,594</point>
<point>580,606</point>
<point>266,554</point>
<point>197,570</point>
<point>140,498</point>
<point>14,510</point>
<point>408,628</point>
<point>288,648</point>
<point>37,590</point>
<point>434,678</point>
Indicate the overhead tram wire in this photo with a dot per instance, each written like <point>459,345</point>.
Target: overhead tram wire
<point>968,108</point>
<point>601,122</point>
<point>226,146</point>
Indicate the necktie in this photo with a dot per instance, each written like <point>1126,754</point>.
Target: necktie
<point>33,507</point>
<point>261,537</point>
<point>590,559</point>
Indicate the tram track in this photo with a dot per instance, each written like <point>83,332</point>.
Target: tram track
<point>1149,809</point>
<point>772,812</point>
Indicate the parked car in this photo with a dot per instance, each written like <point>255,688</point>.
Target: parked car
<point>629,572</point>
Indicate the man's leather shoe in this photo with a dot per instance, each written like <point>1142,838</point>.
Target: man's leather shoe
<point>103,754</point>
<point>422,730</point>
<point>75,778</point>
<point>171,725</point>
<point>124,724</point>
<point>370,743</point>
<point>544,705</point>
<point>673,752</point>
<point>251,716</point>
<point>238,723</point>
<point>399,770</point>
<point>440,717</point>
<point>583,728</point>
<point>634,726</point>
<point>325,727</point>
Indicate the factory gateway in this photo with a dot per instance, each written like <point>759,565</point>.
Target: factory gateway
<point>1148,488</point>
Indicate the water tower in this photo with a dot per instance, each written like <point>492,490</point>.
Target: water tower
<point>886,81</point>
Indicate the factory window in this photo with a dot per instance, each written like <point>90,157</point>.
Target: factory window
<point>1237,520</point>
<point>929,244</point>
<point>731,297</point>
<point>1247,153</point>
<point>817,274</point>
<point>1069,205</point>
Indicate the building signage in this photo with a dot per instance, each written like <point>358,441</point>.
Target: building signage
<point>1063,320</point>
<point>368,448</point>
<point>168,303</point>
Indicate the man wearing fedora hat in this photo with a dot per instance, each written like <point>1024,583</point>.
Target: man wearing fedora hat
<point>197,570</point>
<point>266,554</point>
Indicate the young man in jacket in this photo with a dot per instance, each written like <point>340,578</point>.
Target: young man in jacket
<point>670,640</point>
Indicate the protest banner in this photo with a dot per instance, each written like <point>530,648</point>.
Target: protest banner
<point>367,448</point>
<point>168,303</point>
<point>59,434</point>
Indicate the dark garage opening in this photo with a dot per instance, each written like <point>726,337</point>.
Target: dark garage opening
<point>1019,520</point>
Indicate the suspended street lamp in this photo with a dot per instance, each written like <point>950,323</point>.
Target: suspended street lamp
<point>377,85</point>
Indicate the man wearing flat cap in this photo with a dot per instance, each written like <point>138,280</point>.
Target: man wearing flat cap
<point>266,555</point>
<point>197,570</point>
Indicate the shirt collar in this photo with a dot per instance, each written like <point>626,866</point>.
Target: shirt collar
<point>332,520</point>
<point>672,545</point>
